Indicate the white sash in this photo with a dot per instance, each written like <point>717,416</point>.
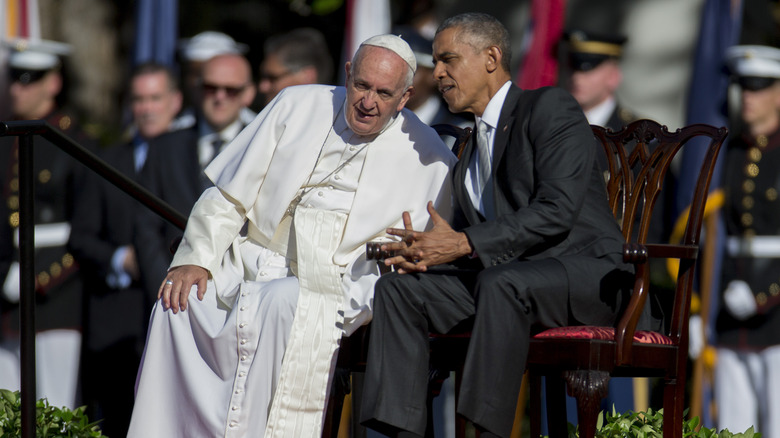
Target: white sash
<point>304,383</point>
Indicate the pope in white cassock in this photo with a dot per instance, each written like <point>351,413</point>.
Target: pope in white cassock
<point>276,253</point>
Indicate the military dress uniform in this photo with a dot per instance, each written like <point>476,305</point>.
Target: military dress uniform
<point>747,326</point>
<point>752,218</point>
<point>58,289</point>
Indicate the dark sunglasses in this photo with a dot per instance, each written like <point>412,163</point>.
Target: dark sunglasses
<point>229,91</point>
<point>754,83</point>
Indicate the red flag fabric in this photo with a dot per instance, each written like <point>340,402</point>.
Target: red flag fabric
<point>539,66</point>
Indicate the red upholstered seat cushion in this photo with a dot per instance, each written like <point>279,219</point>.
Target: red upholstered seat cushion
<point>603,333</point>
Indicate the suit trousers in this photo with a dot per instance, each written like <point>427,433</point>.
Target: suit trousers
<point>507,303</point>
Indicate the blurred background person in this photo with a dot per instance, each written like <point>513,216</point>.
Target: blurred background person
<point>35,71</point>
<point>194,53</point>
<point>297,57</point>
<point>747,372</point>
<point>116,305</point>
<point>426,102</point>
<point>226,89</point>
<point>594,76</point>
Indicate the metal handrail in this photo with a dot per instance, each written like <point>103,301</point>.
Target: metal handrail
<point>25,130</point>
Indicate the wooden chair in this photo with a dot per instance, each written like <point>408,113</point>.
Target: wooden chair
<point>583,358</point>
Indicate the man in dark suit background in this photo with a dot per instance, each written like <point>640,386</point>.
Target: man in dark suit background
<point>174,167</point>
<point>116,311</point>
<point>537,248</point>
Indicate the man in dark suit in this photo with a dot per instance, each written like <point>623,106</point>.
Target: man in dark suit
<point>117,308</point>
<point>537,248</point>
<point>174,167</point>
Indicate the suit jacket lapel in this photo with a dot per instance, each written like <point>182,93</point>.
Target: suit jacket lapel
<point>505,122</point>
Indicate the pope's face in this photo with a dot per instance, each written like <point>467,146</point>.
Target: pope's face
<point>376,89</point>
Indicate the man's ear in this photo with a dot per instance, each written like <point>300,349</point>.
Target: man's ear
<point>405,98</point>
<point>494,57</point>
<point>347,68</point>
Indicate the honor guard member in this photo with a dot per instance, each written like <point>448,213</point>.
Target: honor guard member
<point>36,83</point>
<point>595,75</point>
<point>747,327</point>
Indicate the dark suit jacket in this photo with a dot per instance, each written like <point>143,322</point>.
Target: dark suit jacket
<point>106,222</point>
<point>173,173</point>
<point>549,195</point>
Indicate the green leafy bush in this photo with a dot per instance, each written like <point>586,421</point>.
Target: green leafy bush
<point>50,422</point>
<point>650,425</point>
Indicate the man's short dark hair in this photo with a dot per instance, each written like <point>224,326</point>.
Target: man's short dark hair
<point>302,48</point>
<point>148,68</point>
<point>481,31</point>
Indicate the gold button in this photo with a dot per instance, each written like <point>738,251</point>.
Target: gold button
<point>748,186</point>
<point>748,202</point>
<point>751,170</point>
<point>14,219</point>
<point>754,154</point>
<point>771,194</point>
<point>55,269</point>
<point>761,299</point>
<point>44,176</point>
<point>67,260</point>
<point>747,219</point>
<point>762,140</point>
<point>43,278</point>
<point>14,184</point>
<point>13,202</point>
<point>65,123</point>
<point>774,289</point>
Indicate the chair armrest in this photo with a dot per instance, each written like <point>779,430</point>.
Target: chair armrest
<point>638,254</point>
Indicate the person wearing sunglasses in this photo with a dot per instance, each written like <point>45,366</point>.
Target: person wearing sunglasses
<point>175,162</point>
<point>747,326</point>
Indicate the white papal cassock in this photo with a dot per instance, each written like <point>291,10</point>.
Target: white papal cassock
<point>213,369</point>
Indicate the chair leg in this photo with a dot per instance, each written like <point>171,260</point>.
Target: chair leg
<point>555,393</point>
<point>674,406</point>
<point>588,388</point>
<point>338,391</point>
<point>535,404</point>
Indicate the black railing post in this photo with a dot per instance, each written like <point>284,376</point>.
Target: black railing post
<point>27,283</point>
<point>25,130</point>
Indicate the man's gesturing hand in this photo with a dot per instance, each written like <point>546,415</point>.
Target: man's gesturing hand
<point>175,289</point>
<point>418,250</point>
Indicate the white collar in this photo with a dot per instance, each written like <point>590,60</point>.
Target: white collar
<point>493,109</point>
<point>600,114</point>
<point>227,134</point>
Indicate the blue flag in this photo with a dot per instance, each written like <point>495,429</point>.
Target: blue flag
<point>707,103</point>
<point>156,32</point>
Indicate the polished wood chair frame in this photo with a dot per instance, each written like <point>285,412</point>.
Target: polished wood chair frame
<point>584,358</point>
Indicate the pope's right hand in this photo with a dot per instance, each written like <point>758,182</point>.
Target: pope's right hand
<point>175,289</point>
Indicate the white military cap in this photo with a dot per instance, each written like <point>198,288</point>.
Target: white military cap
<point>754,61</point>
<point>209,44</point>
<point>35,54</point>
<point>396,44</point>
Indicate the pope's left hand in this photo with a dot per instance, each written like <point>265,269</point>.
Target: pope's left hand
<point>418,250</point>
